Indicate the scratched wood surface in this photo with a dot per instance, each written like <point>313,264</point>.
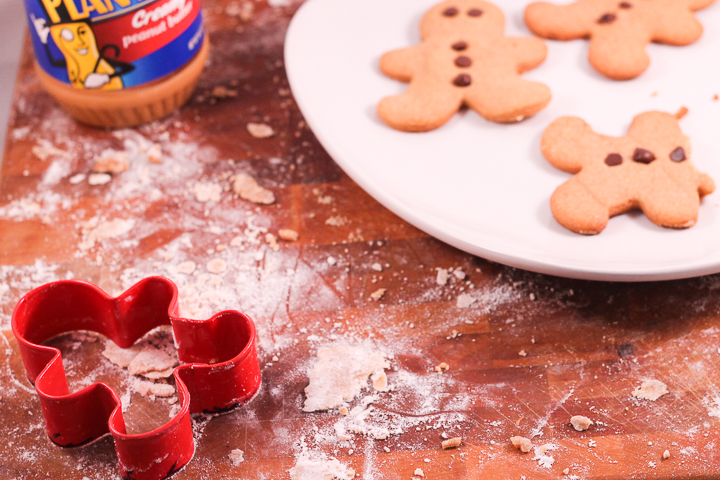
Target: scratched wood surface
<point>550,349</point>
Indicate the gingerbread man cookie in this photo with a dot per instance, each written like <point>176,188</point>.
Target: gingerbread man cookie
<point>619,30</point>
<point>464,59</point>
<point>649,168</point>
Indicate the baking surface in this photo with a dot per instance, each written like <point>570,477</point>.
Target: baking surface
<point>529,352</point>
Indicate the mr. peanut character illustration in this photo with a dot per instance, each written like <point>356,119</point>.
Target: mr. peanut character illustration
<point>87,65</point>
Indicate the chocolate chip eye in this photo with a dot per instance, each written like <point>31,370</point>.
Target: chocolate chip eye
<point>625,5</point>
<point>450,12</point>
<point>475,12</point>
<point>459,46</point>
<point>607,18</point>
<point>678,155</point>
<point>643,156</point>
<point>613,159</point>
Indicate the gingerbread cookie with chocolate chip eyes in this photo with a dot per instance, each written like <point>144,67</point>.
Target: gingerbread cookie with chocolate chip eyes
<point>647,169</point>
<point>619,30</point>
<point>464,59</point>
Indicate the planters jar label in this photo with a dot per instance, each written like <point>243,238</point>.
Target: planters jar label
<point>113,44</point>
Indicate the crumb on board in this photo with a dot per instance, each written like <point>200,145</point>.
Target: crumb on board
<point>112,161</point>
<point>650,389</point>
<point>207,192</point>
<point>288,235</point>
<point>221,91</point>
<point>236,456</point>
<point>247,188</point>
<point>451,443</point>
<point>260,130</point>
<point>419,472</point>
<point>377,267</point>
<point>521,443</point>
<point>441,367</point>
<point>98,178</point>
<point>378,294</point>
<point>666,454</point>
<point>464,300</point>
<point>442,276</point>
<point>580,422</point>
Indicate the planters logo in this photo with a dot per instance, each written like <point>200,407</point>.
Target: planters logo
<point>113,44</point>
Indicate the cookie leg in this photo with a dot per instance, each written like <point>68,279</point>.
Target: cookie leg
<point>421,108</point>
<point>577,209</point>
<point>508,101</point>
<point>674,209</point>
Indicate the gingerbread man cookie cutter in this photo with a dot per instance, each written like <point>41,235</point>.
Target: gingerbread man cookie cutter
<point>619,30</point>
<point>464,59</point>
<point>647,169</point>
<point>220,367</point>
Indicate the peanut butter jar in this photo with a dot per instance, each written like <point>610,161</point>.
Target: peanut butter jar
<point>118,63</point>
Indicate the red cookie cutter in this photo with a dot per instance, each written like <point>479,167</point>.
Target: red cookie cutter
<point>220,370</point>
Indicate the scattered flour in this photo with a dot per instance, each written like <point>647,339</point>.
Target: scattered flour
<point>319,467</point>
<point>650,390</point>
<point>339,375</point>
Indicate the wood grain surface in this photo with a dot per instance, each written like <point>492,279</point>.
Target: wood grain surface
<point>529,353</point>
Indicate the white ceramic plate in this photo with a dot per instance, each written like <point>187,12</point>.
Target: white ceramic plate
<point>484,187</point>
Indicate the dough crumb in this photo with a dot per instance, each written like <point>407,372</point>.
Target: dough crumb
<point>98,178</point>
<point>154,154</point>
<point>221,91</point>
<point>111,161</point>
<point>272,241</point>
<point>145,388</point>
<point>522,353</point>
<point>521,443</point>
<point>377,267</point>
<point>442,276</point>
<point>580,423</point>
<point>666,454</point>
<point>260,130</point>
<point>465,300</point>
<point>459,274</point>
<point>207,192</point>
<point>650,390</point>
<point>216,266</point>
<point>237,456</point>
<point>378,294</point>
<point>247,188</point>
<point>185,267</point>
<point>451,443</point>
<point>566,471</point>
<point>441,367</point>
<point>288,235</point>
<point>419,472</point>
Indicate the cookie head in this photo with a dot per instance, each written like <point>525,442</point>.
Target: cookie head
<point>462,17</point>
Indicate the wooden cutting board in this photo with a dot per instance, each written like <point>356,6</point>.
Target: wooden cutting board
<point>526,355</point>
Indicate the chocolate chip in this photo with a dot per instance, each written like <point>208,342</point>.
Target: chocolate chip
<point>613,159</point>
<point>678,155</point>
<point>475,12</point>
<point>463,61</point>
<point>459,46</point>
<point>450,12</point>
<point>462,80</point>
<point>607,18</point>
<point>643,156</point>
<point>625,5</point>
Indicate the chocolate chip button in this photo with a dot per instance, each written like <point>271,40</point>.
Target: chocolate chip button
<point>463,61</point>
<point>450,12</point>
<point>462,80</point>
<point>459,46</point>
<point>678,155</point>
<point>607,18</point>
<point>643,156</point>
<point>625,5</point>
<point>475,12</point>
<point>613,160</point>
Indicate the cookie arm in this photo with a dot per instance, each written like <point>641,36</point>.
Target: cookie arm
<point>695,5</point>
<point>678,28</point>
<point>569,144</point>
<point>528,51</point>
<point>560,22</point>
<point>400,64</point>
<point>706,185</point>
